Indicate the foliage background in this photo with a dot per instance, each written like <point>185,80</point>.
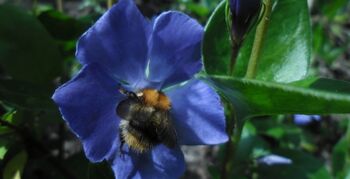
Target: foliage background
<point>37,45</point>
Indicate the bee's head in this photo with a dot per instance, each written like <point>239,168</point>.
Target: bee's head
<point>129,94</point>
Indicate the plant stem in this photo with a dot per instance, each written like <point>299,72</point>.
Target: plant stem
<point>234,130</point>
<point>34,4</point>
<point>234,55</point>
<point>109,3</point>
<point>259,39</point>
<point>227,155</point>
<point>59,4</point>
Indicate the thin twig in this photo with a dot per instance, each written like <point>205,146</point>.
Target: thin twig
<point>59,4</point>
<point>109,3</point>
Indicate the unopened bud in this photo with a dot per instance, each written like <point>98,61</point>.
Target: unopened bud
<point>244,14</point>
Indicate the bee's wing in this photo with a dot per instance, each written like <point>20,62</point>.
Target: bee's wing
<point>165,131</point>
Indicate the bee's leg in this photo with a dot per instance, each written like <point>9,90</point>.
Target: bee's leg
<point>122,142</point>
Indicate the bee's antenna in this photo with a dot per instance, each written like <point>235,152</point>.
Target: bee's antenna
<point>129,94</point>
<point>122,91</point>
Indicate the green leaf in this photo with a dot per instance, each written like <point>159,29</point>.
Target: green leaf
<point>216,43</point>
<point>87,169</point>
<point>336,86</point>
<point>3,149</point>
<point>253,97</point>
<point>25,95</point>
<point>14,167</point>
<point>331,9</point>
<point>304,166</point>
<point>341,156</point>
<point>8,117</point>
<point>276,129</point>
<point>286,51</point>
<point>27,51</point>
<point>248,149</point>
<point>61,26</point>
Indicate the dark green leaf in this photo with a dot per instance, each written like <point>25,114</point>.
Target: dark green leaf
<point>341,156</point>
<point>248,149</point>
<point>331,9</point>
<point>266,98</point>
<point>61,26</point>
<point>89,170</point>
<point>216,43</point>
<point>14,167</point>
<point>25,95</point>
<point>27,51</point>
<point>335,86</point>
<point>303,166</point>
<point>8,117</point>
<point>3,149</point>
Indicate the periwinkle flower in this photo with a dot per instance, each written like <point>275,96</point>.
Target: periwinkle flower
<point>273,159</point>
<point>125,52</point>
<point>244,14</point>
<point>303,120</point>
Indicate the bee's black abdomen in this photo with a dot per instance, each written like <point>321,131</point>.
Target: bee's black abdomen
<point>165,131</point>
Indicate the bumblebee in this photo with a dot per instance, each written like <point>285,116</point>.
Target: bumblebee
<point>145,120</point>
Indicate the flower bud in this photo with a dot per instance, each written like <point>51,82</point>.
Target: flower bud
<point>244,14</point>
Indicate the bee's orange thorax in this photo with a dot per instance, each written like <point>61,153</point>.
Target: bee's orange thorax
<point>155,98</point>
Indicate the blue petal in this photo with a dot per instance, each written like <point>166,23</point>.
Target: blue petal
<point>160,163</point>
<point>303,120</point>
<point>175,48</point>
<point>118,42</point>
<point>88,104</point>
<point>198,114</point>
<point>273,159</point>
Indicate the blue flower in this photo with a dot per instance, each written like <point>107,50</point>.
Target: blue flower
<point>124,50</point>
<point>304,120</point>
<point>273,159</point>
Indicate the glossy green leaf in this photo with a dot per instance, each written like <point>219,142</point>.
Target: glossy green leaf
<point>267,98</point>
<point>216,43</point>
<point>286,51</point>
<point>27,51</point>
<point>14,167</point>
